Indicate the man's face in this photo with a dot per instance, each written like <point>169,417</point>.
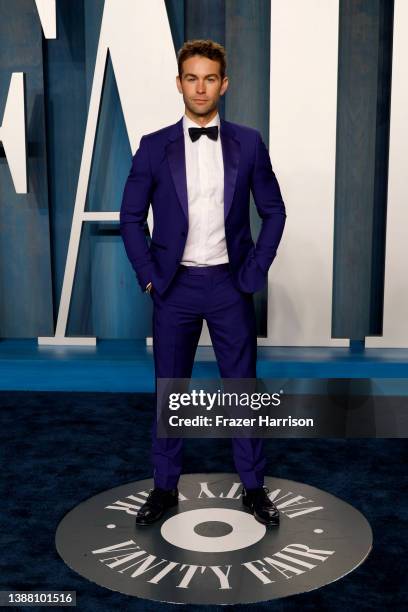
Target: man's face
<point>201,84</point>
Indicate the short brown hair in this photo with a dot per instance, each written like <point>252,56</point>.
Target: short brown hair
<point>206,48</point>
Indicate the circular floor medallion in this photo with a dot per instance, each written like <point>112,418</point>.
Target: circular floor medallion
<point>210,549</point>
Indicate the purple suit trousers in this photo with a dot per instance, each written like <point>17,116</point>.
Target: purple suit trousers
<point>199,293</point>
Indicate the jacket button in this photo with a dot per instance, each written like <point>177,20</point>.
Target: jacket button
<point>183,233</point>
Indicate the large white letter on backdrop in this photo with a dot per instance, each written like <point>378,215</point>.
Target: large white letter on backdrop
<point>131,32</point>
<point>302,139</point>
<point>13,132</point>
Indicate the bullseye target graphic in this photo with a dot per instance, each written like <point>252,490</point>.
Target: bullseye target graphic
<point>180,530</point>
<point>210,549</point>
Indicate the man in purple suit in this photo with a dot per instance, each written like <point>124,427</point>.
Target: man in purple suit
<point>201,262</point>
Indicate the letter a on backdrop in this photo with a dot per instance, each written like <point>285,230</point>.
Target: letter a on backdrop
<point>130,32</point>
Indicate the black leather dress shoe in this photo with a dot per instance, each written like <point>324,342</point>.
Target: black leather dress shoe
<point>158,501</point>
<point>263,509</point>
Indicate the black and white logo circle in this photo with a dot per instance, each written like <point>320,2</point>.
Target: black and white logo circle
<point>210,549</point>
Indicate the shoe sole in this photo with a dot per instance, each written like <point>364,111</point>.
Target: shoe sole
<point>140,522</point>
<point>145,523</point>
<point>273,523</point>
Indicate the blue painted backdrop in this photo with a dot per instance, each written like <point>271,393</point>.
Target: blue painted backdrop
<point>34,228</point>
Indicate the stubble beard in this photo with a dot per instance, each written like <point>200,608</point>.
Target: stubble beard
<point>199,111</point>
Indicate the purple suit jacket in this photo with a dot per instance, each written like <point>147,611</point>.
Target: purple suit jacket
<point>158,176</point>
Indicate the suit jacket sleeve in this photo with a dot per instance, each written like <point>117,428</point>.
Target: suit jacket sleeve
<point>133,214</point>
<point>270,207</point>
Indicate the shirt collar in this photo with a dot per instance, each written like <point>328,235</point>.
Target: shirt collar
<point>187,122</point>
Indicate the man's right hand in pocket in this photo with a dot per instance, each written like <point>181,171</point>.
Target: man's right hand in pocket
<point>149,287</point>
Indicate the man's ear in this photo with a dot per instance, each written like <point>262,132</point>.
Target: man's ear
<point>178,83</point>
<point>224,85</point>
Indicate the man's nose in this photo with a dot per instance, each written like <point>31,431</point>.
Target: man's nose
<point>200,86</point>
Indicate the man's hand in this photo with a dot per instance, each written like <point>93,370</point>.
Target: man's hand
<point>149,287</point>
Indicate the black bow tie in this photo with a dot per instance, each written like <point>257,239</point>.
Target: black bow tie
<point>211,132</point>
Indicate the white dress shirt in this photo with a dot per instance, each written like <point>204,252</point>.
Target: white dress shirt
<point>205,244</point>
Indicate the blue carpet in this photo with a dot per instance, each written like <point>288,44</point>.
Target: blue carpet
<point>127,366</point>
<point>62,448</point>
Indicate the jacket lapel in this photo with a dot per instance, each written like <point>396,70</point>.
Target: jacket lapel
<point>230,152</point>
<point>177,161</point>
